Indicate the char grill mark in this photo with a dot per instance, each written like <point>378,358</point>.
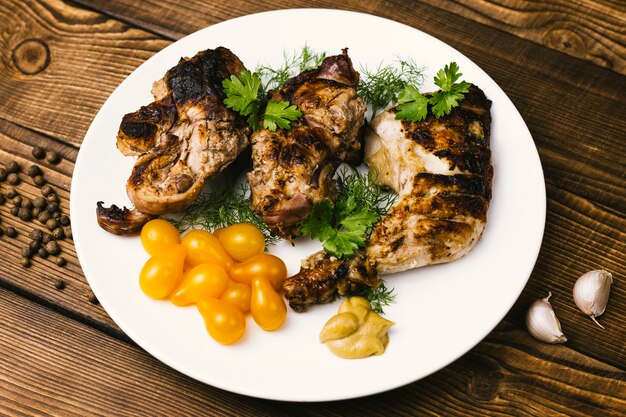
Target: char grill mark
<point>293,169</point>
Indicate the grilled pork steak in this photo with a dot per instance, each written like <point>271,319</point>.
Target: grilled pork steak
<point>293,169</point>
<point>441,169</point>
<point>184,137</point>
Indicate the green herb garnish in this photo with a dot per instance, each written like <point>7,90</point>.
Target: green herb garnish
<point>414,105</point>
<point>343,227</point>
<point>279,114</point>
<point>293,64</point>
<point>221,207</point>
<point>381,87</point>
<point>378,297</point>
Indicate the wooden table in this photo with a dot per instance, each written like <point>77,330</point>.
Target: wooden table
<point>562,62</point>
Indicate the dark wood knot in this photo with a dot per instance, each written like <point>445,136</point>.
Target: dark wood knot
<point>31,56</point>
<point>483,385</point>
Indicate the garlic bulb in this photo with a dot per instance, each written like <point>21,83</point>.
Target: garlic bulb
<point>542,323</point>
<point>591,293</point>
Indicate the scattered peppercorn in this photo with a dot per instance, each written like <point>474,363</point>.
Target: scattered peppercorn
<point>15,210</point>
<point>3,174</point>
<point>1,231</point>
<point>52,224</point>
<point>13,167</point>
<point>36,212</point>
<point>59,284</point>
<point>27,252</point>
<point>39,181</point>
<point>38,152</point>
<point>92,298</point>
<point>67,230</point>
<point>60,261</point>
<point>27,203</point>
<point>53,247</point>
<point>53,157</point>
<point>11,232</point>
<point>46,190</point>
<point>2,199</point>
<point>42,253</point>
<point>64,220</point>
<point>34,245</point>
<point>57,216</point>
<point>58,233</point>
<point>13,179</point>
<point>11,192</point>
<point>40,202</point>
<point>43,217</point>
<point>52,208</point>
<point>26,263</point>
<point>36,234</point>
<point>47,237</point>
<point>52,198</point>
<point>33,171</point>
<point>24,214</point>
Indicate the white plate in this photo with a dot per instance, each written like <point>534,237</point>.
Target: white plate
<point>441,311</point>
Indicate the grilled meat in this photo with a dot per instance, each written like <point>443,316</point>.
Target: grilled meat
<point>121,221</point>
<point>184,137</point>
<point>441,169</point>
<point>293,169</point>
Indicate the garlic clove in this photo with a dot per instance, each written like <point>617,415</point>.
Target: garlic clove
<point>542,323</point>
<point>591,293</point>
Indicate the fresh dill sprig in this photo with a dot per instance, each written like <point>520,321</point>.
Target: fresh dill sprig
<point>378,297</point>
<point>293,64</point>
<point>221,207</point>
<point>362,188</point>
<point>381,87</point>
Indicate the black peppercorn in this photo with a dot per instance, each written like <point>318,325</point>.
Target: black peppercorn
<point>39,152</point>
<point>64,220</point>
<point>52,198</point>
<point>67,230</point>
<point>34,245</point>
<point>26,263</point>
<point>39,181</point>
<point>43,217</point>
<point>13,167</point>
<point>60,261</point>
<point>42,253</point>
<point>13,179</point>
<point>53,157</point>
<point>11,192</point>
<point>46,190</point>
<point>27,203</point>
<point>24,214</point>
<point>36,234</point>
<point>2,199</point>
<point>52,208</point>
<point>1,232</point>
<point>59,284</point>
<point>52,224</point>
<point>27,252</point>
<point>92,298</point>
<point>3,174</point>
<point>15,210</point>
<point>58,233</point>
<point>17,200</point>
<point>57,216</point>
<point>53,247</point>
<point>40,202</point>
<point>33,171</point>
<point>11,232</point>
<point>36,212</point>
<point>47,237</point>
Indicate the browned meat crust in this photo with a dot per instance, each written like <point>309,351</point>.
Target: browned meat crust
<point>293,168</point>
<point>121,221</point>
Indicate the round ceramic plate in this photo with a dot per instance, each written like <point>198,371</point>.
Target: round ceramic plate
<point>441,311</point>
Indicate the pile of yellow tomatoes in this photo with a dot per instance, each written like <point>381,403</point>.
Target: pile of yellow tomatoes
<point>226,274</point>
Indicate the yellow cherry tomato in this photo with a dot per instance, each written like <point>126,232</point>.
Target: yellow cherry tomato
<point>162,272</point>
<point>224,322</point>
<point>157,235</point>
<point>241,241</point>
<point>238,295</point>
<point>263,265</point>
<point>202,247</point>
<point>267,307</point>
<point>200,282</point>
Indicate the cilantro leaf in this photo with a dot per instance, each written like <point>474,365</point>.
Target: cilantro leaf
<point>447,76</point>
<point>344,243</point>
<point>279,114</point>
<point>444,101</point>
<point>413,105</point>
<point>242,92</point>
<point>318,224</point>
<point>359,221</point>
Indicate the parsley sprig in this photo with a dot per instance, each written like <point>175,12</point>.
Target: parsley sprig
<point>245,96</point>
<point>343,227</point>
<point>414,105</point>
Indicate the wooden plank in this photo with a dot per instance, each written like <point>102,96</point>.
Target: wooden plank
<point>61,62</point>
<point>590,30</point>
<point>84,372</point>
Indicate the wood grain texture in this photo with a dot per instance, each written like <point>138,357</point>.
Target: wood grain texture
<point>592,30</point>
<point>84,372</point>
<point>89,55</point>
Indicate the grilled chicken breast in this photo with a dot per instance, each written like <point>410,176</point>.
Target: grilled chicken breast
<point>293,169</point>
<point>441,169</point>
<point>184,137</point>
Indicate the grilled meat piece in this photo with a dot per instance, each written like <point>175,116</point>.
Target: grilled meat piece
<point>293,169</point>
<point>121,221</point>
<point>322,278</point>
<point>185,136</point>
<point>441,169</point>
